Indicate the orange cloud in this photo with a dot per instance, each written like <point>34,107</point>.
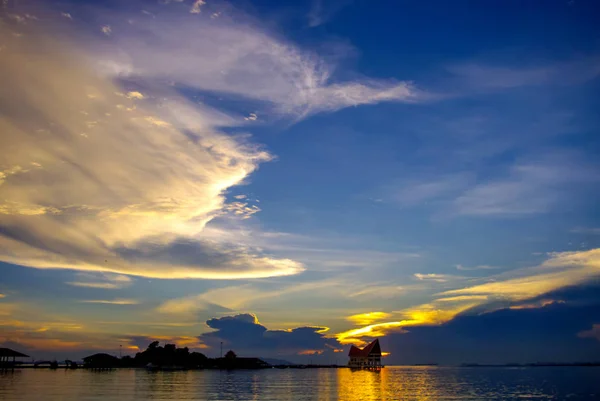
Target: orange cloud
<point>181,341</point>
<point>111,301</point>
<point>50,343</point>
<point>535,305</point>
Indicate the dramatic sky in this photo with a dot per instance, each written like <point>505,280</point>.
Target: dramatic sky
<point>290,178</point>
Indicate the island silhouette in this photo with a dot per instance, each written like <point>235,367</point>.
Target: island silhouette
<point>169,357</point>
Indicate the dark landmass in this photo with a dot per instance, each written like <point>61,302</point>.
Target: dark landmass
<point>277,362</point>
<point>529,365</point>
<point>170,357</point>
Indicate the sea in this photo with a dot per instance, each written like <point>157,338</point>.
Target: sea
<point>391,383</point>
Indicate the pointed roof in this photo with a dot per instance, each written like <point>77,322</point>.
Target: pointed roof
<point>373,349</point>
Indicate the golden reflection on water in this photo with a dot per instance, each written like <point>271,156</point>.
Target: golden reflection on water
<point>414,384</point>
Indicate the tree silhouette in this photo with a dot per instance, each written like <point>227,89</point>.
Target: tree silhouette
<point>230,354</point>
<point>169,355</point>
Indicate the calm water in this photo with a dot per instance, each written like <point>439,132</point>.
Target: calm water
<point>392,383</point>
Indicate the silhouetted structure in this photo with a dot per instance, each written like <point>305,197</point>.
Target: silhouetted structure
<point>101,361</point>
<point>368,357</point>
<point>232,361</point>
<point>169,357</point>
<point>50,364</point>
<point>6,354</point>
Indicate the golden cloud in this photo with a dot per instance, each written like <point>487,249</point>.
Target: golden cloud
<point>561,270</point>
<point>423,315</point>
<point>367,318</point>
<point>115,187</point>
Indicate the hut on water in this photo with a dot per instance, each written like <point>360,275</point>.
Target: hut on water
<point>368,357</point>
<point>8,357</point>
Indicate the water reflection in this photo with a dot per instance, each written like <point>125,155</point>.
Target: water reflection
<point>392,383</point>
<point>419,383</point>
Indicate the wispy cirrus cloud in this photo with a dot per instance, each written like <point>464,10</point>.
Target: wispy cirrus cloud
<point>586,230</point>
<point>594,332</point>
<point>238,297</point>
<point>477,267</point>
<point>239,58</point>
<point>537,182</point>
<point>531,187</point>
<point>322,11</point>
<point>117,301</point>
<point>482,75</point>
<point>101,281</point>
<point>438,278</point>
<point>425,190</point>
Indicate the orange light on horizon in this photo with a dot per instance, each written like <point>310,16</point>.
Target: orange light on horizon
<point>311,352</point>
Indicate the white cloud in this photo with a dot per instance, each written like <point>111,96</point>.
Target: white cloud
<point>106,29</point>
<point>478,267</point>
<point>321,12</point>
<point>239,297</point>
<point>533,186</point>
<point>586,230</point>
<point>234,57</point>
<point>251,117</point>
<point>102,281</point>
<point>414,193</point>
<point>439,278</point>
<point>117,301</point>
<point>315,16</point>
<point>197,6</point>
<point>487,76</point>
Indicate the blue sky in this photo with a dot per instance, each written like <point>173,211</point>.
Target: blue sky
<point>313,174</point>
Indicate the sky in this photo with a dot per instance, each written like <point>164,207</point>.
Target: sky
<point>291,178</point>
